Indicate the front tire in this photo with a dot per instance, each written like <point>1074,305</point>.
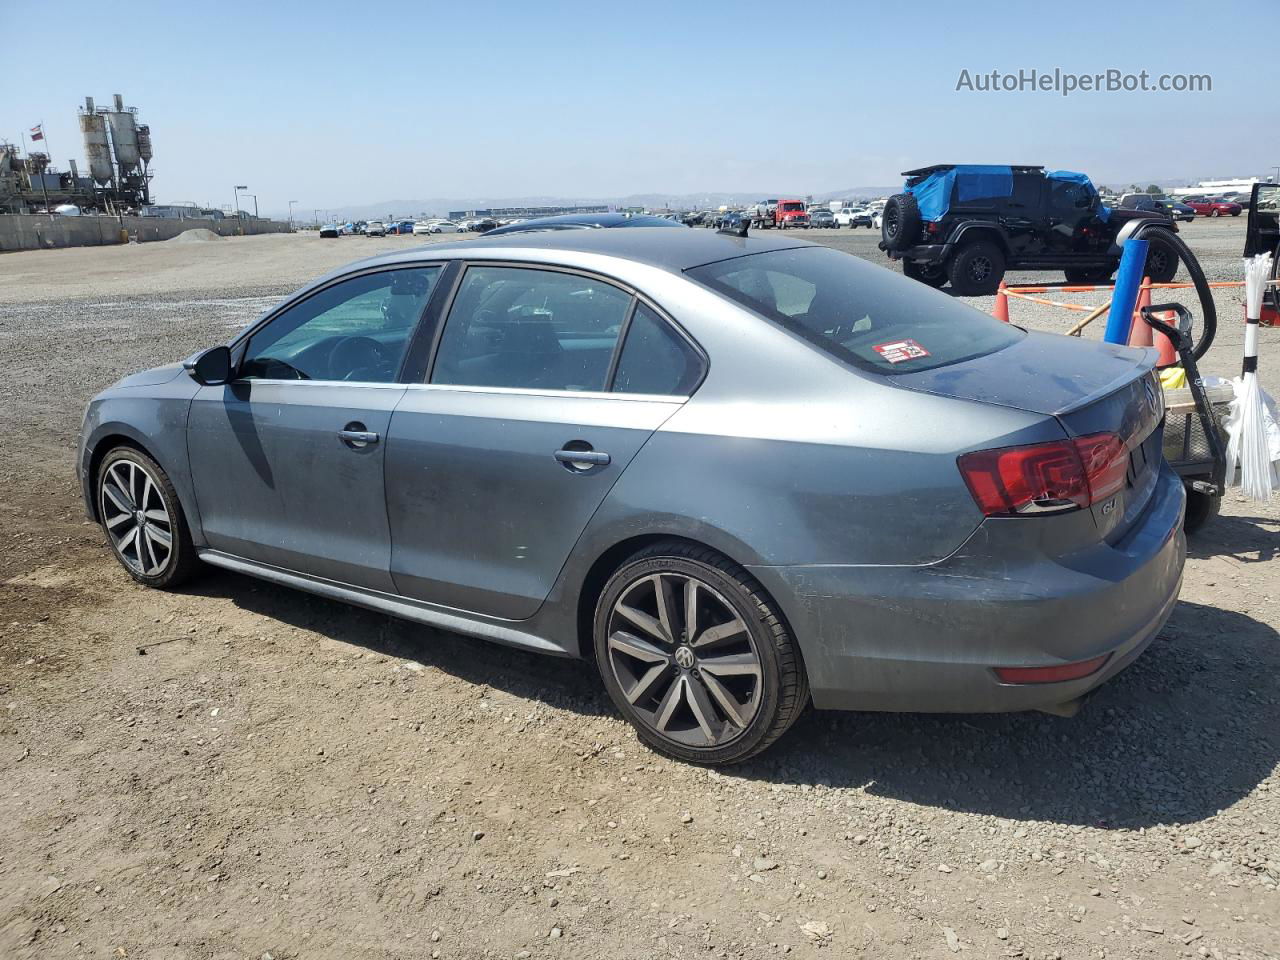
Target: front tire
<point>696,655</point>
<point>1093,276</point>
<point>143,519</point>
<point>1162,260</point>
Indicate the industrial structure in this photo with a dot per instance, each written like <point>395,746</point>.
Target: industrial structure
<point>118,151</point>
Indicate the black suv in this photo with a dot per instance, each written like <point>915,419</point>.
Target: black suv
<point>967,224</point>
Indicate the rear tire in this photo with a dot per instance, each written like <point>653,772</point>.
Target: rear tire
<point>977,269</point>
<point>143,519</point>
<point>690,695</point>
<point>935,277</point>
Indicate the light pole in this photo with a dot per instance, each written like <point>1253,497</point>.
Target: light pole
<point>291,203</point>
<point>235,206</point>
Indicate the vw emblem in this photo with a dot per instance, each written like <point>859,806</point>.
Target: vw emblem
<point>684,657</point>
<point>1149,389</point>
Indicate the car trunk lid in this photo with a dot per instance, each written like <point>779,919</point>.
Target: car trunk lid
<point>1088,387</point>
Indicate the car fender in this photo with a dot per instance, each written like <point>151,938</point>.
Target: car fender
<point>153,419</point>
<point>972,231</point>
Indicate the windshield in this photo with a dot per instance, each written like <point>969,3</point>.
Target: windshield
<point>857,312</point>
<point>793,206</point>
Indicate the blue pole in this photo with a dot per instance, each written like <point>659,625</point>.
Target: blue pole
<point>1128,279</point>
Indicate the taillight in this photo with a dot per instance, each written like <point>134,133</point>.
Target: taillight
<point>1046,477</point>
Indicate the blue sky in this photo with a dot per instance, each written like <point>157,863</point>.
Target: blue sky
<point>340,103</point>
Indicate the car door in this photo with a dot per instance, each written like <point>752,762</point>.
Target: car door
<point>287,458</point>
<point>535,404</point>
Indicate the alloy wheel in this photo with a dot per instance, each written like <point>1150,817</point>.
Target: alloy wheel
<point>136,518</point>
<point>684,660</point>
<point>979,269</point>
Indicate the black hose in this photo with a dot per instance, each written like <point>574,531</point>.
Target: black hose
<point>1209,310</point>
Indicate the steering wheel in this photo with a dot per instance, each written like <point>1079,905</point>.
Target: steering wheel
<point>357,356</point>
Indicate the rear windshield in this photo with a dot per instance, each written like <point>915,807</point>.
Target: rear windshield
<point>857,312</point>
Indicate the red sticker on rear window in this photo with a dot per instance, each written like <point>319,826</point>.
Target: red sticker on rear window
<point>900,350</point>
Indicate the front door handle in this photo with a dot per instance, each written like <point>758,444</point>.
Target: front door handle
<point>583,459</point>
<point>356,436</point>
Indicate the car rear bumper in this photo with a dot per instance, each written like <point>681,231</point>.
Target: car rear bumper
<point>926,253</point>
<point>928,638</point>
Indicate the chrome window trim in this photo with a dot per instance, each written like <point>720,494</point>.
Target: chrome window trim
<point>363,384</point>
<point>674,400</point>
<point>636,295</point>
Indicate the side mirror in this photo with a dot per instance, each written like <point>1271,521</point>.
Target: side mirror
<point>210,367</point>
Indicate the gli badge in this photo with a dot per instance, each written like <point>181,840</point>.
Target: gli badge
<point>1109,507</point>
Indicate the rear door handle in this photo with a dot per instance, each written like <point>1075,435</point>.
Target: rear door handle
<point>357,438</point>
<point>597,458</point>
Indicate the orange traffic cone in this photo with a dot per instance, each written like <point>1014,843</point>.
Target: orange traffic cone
<point>1139,332</point>
<point>1001,311</point>
<point>1168,355</point>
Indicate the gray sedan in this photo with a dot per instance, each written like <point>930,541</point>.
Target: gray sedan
<point>741,474</point>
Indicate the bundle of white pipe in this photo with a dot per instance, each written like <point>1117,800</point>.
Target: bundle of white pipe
<point>1247,446</point>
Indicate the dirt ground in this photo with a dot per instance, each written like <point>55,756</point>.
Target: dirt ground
<point>241,771</point>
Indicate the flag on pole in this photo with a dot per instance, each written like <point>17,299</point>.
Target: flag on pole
<point>37,132</point>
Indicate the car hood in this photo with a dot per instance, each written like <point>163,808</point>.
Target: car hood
<point>1043,372</point>
<point>152,377</point>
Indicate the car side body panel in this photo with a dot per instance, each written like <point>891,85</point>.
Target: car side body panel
<point>483,515</point>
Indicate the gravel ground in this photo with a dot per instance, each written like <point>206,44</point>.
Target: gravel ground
<point>277,774</point>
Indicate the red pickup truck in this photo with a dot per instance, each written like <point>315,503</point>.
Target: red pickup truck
<point>1214,208</point>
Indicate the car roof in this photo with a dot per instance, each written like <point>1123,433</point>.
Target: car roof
<point>570,220</point>
<point>673,248</point>
<point>925,171</point>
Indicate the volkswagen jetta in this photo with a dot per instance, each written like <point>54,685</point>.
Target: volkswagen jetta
<point>742,474</point>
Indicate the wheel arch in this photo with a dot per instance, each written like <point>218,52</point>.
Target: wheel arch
<point>973,232</point>
<point>110,439</point>
<point>604,566</point>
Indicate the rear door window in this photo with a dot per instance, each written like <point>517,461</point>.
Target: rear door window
<point>856,312</point>
<point>532,329</point>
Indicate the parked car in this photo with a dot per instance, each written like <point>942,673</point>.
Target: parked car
<point>582,221</point>
<point>1215,207</point>
<point>853,217</point>
<point>729,220</point>
<point>1014,560</point>
<point>1161,205</point>
<point>967,224</point>
<point>443,226</point>
<point>329,230</point>
<point>822,217</point>
<point>375,228</point>
<point>421,227</point>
